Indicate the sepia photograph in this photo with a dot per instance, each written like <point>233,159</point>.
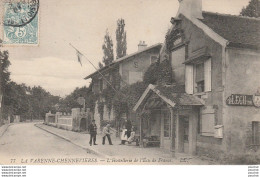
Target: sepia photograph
<point>140,82</point>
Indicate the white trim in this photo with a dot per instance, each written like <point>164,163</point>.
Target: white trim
<point>142,97</point>
<point>152,87</point>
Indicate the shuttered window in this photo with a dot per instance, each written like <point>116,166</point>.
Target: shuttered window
<point>189,79</point>
<point>207,74</point>
<point>207,124</point>
<point>199,77</point>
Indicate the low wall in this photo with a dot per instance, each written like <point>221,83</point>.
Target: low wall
<point>65,122</point>
<point>76,121</point>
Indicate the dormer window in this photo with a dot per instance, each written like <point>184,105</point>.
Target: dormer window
<point>198,72</point>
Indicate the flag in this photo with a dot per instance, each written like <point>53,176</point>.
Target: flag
<point>79,57</point>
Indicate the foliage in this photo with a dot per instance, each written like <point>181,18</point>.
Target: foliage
<point>29,103</point>
<point>120,39</point>
<point>252,9</point>
<point>4,76</point>
<point>70,101</point>
<point>171,36</point>
<point>150,76</point>
<point>101,109</point>
<point>109,93</point>
<point>108,49</point>
<point>159,73</point>
<point>126,99</point>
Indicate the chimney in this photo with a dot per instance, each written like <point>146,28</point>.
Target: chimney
<point>142,45</point>
<point>191,8</point>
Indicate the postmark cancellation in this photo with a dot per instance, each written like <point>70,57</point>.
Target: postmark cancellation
<point>20,22</point>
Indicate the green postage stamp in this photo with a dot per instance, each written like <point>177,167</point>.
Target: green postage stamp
<point>20,22</point>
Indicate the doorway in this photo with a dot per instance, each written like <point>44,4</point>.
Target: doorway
<point>83,125</point>
<point>184,133</point>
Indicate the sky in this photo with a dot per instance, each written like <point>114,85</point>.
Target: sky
<point>53,63</point>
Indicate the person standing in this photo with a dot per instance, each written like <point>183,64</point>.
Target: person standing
<point>128,127</point>
<point>106,133</point>
<point>93,133</point>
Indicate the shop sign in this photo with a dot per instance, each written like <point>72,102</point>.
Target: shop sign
<point>240,100</point>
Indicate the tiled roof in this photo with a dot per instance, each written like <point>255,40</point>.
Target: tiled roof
<point>177,95</point>
<point>119,60</point>
<point>172,95</point>
<point>239,31</point>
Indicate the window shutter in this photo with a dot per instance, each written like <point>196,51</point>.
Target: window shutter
<point>189,79</point>
<point>207,72</point>
<point>207,124</point>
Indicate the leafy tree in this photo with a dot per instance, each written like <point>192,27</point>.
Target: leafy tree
<point>108,49</point>
<point>120,39</point>
<point>70,101</point>
<point>4,77</point>
<point>252,9</point>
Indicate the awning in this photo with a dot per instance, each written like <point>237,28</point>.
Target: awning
<point>198,56</point>
<point>169,95</point>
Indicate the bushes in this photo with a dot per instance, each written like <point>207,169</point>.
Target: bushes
<point>159,73</point>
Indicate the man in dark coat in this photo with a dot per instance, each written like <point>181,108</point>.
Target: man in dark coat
<point>128,126</point>
<point>93,132</point>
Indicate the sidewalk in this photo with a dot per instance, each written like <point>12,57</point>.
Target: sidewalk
<point>121,151</point>
<point>3,129</point>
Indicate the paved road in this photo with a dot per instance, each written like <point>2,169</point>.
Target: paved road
<point>26,142</point>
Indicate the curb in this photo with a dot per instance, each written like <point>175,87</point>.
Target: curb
<point>5,129</point>
<point>66,139</point>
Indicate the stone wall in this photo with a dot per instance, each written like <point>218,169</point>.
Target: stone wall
<point>76,121</point>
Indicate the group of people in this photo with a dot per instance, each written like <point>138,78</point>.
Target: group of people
<point>93,134</point>
<point>127,134</point>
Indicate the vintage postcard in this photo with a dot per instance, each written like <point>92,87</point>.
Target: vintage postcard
<point>140,82</point>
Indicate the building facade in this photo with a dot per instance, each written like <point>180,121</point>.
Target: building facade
<point>214,59</point>
<point>121,72</point>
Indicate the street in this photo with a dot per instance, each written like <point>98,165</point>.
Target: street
<point>24,140</point>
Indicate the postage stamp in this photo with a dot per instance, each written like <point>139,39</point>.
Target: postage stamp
<point>21,22</point>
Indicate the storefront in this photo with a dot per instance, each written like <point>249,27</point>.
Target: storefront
<point>168,119</point>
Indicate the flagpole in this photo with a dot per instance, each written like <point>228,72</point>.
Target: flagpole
<point>96,69</point>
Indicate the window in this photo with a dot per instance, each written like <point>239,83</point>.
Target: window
<point>167,129</point>
<point>256,132</point>
<point>153,59</point>
<point>199,77</point>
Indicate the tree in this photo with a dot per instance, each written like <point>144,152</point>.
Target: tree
<point>108,49</point>
<point>252,9</point>
<point>4,78</point>
<point>120,39</point>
